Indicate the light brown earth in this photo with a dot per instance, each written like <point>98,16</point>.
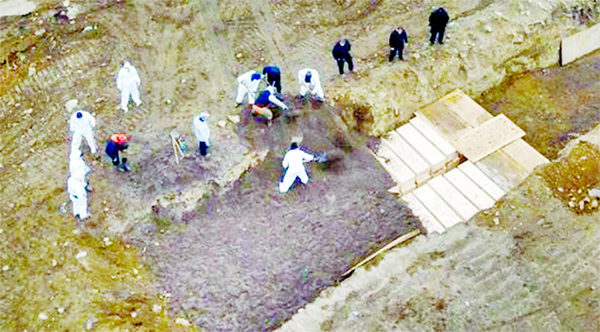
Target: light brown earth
<point>207,44</point>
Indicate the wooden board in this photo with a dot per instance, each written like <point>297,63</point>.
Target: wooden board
<point>426,149</point>
<point>409,156</point>
<point>469,189</point>
<point>459,203</point>
<point>485,183</point>
<point>506,172</point>
<point>434,137</point>
<point>525,154</point>
<point>448,123</point>
<point>436,205</point>
<point>488,138</point>
<point>392,244</point>
<point>466,108</point>
<point>403,176</point>
<point>579,44</point>
<point>427,219</point>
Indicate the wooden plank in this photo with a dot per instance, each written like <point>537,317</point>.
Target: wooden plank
<point>469,189</point>
<point>466,108</point>
<point>434,137</point>
<point>409,156</point>
<point>506,172</point>
<point>427,219</point>
<point>392,244</point>
<point>436,205</point>
<point>459,203</point>
<point>448,123</point>
<point>403,176</point>
<point>525,154</point>
<point>488,138</point>
<point>579,44</point>
<point>426,149</point>
<point>481,180</point>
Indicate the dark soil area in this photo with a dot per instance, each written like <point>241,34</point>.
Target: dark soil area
<point>251,257</point>
<point>552,105</point>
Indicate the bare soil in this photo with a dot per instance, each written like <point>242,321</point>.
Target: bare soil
<point>250,257</point>
<point>553,105</point>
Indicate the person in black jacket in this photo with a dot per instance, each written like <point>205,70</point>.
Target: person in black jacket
<point>273,74</point>
<point>341,53</point>
<point>437,21</point>
<point>397,39</point>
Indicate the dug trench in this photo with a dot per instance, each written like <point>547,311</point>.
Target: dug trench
<point>248,257</point>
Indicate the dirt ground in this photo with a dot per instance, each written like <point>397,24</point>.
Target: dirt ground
<point>553,105</point>
<point>250,257</point>
<point>528,263</point>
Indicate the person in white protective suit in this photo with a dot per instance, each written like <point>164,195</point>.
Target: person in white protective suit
<point>128,82</point>
<point>82,125</point>
<point>293,163</point>
<point>78,195</point>
<point>248,86</point>
<point>77,166</point>
<point>309,81</point>
<point>202,132</point>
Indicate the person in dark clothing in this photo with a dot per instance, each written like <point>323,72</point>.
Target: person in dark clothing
<point>341,54</point>
<point>116,144</point>
<point>397,39</point>
<point>437,21</point>
<point>273,77</point>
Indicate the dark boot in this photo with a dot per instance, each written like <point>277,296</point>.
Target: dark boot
<point>123,166</point>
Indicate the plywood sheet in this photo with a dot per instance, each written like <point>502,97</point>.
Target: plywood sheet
<point>579,44</point>
<point>488,138</point>
<point>466,108</point>
<point>448,123</point>
<point>506,172</point>
<point>524,154</point>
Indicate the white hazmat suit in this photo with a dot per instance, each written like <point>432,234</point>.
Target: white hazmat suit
<point>247,86</point>
<point>314,86</point>
<point>201,129</point>
<point>128,82</point>
<point>293,162</point>
<point>82,125</point>
<point>77,166</point>
<point>78,195</point>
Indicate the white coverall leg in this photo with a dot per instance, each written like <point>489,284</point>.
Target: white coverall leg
<point>318,91</point>
<point>135,94</point>
<point>289,178</point>
<point>303,89</point>
<point>76,143</point>
<point>78,196</point>
<point>241,93</point>
<point>89,138</point>
<point>125,95</point>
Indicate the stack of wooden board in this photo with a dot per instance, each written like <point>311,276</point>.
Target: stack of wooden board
<point>422,156</point>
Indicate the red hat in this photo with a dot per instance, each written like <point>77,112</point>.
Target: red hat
<point>119,138</point>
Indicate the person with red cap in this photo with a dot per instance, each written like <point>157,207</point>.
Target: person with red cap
<point>117,143</point>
